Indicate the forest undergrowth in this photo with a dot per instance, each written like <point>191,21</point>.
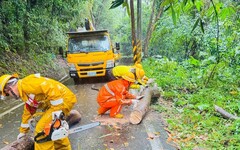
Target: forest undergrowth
<point>192,119</point>
<point>47,64</point>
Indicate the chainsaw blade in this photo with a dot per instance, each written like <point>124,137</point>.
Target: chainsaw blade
<point>83,127</point>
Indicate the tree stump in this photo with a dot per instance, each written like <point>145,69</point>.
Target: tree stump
<point>139,112</point>
<point>73,118</point>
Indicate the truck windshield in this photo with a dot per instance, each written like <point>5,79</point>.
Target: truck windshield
<point>88,44</point>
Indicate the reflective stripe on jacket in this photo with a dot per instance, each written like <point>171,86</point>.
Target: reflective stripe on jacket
<point>118,87</point>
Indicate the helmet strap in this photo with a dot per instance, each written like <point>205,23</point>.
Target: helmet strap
<point>15,95</point>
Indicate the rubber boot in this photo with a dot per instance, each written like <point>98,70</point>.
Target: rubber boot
<point>118,116</point>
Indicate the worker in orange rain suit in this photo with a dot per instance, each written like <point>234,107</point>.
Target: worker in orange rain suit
<point>40,93</point>
<point>113,95</point>
<point>118,71</point>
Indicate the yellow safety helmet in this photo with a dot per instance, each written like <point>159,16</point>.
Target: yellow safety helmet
<point>138,65</point>
<point>129,77</point>
<point>140,73</point>
<point>3,81</point>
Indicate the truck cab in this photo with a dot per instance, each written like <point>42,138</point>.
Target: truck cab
<point>90,54</point>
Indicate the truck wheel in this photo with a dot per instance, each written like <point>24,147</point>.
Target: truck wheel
<point>76,80</point>
<point>108,76</point>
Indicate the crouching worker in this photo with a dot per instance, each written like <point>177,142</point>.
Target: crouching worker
<point>119,71</point>
<point>40,93</point>
<point>113,95</point>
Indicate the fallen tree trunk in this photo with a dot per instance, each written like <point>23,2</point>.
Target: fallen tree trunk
<point>142,107</point>
<point>25,143</point>
<point>224,113</point>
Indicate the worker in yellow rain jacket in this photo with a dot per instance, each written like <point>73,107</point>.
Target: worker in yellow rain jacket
<point>40,93</point>
<point>113,95</point>
<point>118,71</point>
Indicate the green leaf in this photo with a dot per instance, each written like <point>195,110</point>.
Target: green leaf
<point>173,15</point>
<point>166,2</point>
<point>185,2</point>
<point>116,3</point>
<point>202,107</point>
<point>194,61</point>
<point>195,25</point>
<point>201,25</point>
<point>198,5</point>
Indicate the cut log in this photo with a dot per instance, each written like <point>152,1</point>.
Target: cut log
<point>25,143</point>
<point>73,118</point>
<point>224,113</point>
<point>142,107</point>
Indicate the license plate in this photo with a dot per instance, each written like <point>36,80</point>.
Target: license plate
<point>91,73</point>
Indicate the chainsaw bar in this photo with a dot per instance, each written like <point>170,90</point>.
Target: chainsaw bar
<point>83,127</point>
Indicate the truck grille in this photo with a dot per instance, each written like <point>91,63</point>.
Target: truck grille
<point>91,64</point>
<point>92,69</point>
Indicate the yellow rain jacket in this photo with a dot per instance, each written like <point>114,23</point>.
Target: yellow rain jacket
<point>48,95</point>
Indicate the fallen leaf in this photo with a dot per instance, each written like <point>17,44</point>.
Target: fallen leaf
<point>1,126</point>
<point>126,144</point>
<point>157,133</point>
<point>5,142</point>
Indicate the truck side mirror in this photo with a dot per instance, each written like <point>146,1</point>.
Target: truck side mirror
<point>117,46</point>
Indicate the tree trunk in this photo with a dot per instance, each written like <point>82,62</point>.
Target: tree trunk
<point>151,27</point>
<point>139,112</point>
<point>25,143</point>
<point>224,113</point>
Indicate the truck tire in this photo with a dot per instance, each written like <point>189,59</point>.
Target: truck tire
<point>76,80</point>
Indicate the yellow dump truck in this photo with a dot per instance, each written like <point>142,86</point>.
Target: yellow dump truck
<point>90,53</point>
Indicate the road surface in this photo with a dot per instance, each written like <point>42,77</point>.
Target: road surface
<point>112,134</point>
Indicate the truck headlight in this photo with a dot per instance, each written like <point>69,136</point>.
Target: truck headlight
<point>110,63</point>
<point>71,67</point>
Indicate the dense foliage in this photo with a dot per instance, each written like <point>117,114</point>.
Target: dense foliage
<point>197,123</point>
<point>199,66</point>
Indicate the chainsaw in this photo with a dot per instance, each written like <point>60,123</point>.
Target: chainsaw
<point>59,129</point>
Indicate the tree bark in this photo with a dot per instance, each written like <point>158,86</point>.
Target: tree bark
<point>25,143</point>
<point>142,108</point>
<point>224,113</point>
<point>151,27</point>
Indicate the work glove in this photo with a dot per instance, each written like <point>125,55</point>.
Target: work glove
<point>20,135</point>
<point>135,102</point>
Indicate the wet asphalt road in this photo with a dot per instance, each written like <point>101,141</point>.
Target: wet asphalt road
<point>111,135</point>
